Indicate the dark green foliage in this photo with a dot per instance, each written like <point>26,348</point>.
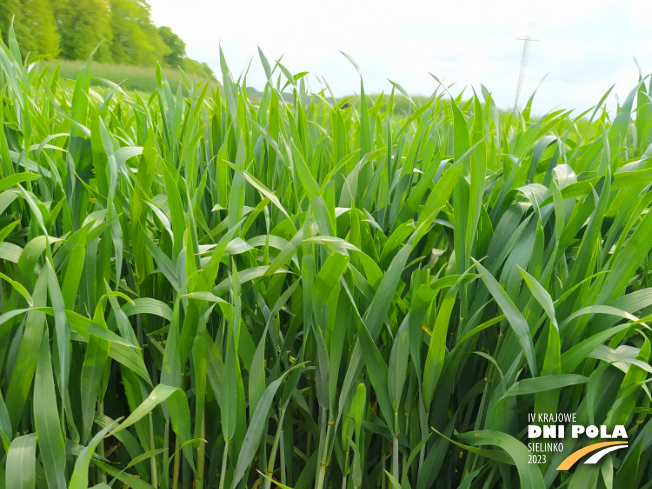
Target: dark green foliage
<point>83,25</point>
<point>135,39</point>
<point>8,8</point>
<point>121,30</point>
<point>38,18</point>
<point>34,25</point>
<point>177,47</point>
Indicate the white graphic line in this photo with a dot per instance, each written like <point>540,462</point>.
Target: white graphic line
<point>596,458</point>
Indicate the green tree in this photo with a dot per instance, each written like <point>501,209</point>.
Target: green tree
<point>121,30</point>
<point>135,37</point>
<point>177,47</point>
<point>8,8</point>
<point>38,19</point>
<point>189,65</point>
<point>177,55</point>
<point>34,25</point>
<point>83,24</point>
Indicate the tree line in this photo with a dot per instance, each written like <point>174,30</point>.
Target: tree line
<point>121,30</point>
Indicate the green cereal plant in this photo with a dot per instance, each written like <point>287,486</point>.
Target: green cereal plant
<point>202,291</point>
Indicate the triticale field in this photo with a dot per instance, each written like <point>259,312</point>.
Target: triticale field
<point>200,290</point>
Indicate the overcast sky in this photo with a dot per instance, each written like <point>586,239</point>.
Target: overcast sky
<point>583,47</point>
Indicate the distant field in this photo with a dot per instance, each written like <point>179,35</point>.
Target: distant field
<point>139,78</point>
<point>143,79</point>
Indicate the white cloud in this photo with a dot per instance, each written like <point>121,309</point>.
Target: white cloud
<point>584,47</point>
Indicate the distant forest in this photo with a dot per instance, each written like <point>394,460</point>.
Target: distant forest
<point>72,29</point>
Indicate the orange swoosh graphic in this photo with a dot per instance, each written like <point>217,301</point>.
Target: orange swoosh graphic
<point>575,456</point>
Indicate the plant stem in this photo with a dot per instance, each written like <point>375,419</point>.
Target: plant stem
<point>324,458</point>
<point>223,471</point>
<point>152,446</point>
<point>100,448</point>
<point>272,453</point>
<point>166,456</point>
<point>175,473</point>
<point>395,450</point>
<point>201,453</point>
<point>282,442</point>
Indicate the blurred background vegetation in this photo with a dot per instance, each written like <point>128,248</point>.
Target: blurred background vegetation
<point>130,77</point>
<point>121,30</point>
<point>129,45</point>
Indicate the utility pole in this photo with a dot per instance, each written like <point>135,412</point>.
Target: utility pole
<point>521,76</point>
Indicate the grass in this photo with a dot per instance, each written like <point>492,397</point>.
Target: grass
<point>130,78</point>
<point>143,79</point>
<point>197,291</point>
